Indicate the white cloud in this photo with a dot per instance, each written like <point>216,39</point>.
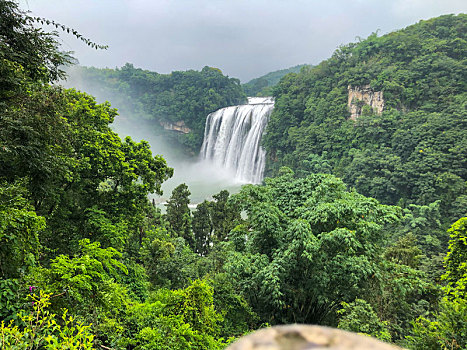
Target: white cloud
<point>244,38</point>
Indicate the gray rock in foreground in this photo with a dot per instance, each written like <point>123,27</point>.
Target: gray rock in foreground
<point>303,337</point>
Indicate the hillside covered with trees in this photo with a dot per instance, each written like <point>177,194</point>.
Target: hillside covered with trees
<point>185,97</point>
<point>179,97</point>
<point>88,262</point>
<point>413,154</point>
<point>263,86</point>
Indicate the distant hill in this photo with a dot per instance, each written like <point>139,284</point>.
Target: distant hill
<point>262,86</point>
<point>179,101</point>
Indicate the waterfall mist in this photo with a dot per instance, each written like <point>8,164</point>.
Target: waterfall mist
<point>203,178</point>
<point>231,154</point>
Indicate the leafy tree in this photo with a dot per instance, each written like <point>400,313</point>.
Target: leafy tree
<point>196,305</point>
<point>202,228</point>
<point>401,294</point>
<point>238,316</point>
<point>447,328</point>
<point>359,317</point>
<point>19,231</point>
<point>73,162</point>
<point>213,221</point>
<point>448,331</point>
<point>20,227</point>
<point>35,142</point>
<point>404,252</point>
<point>84,283</point>
<point>424,222</point>
<point>311,245</point>
<point>169,262</point>
<point>180,319</point>
<point>43,330</point>
<point>456,259</point>
<point>100,171</point>
<point>225,215</point>
<point>179,215</point>
<point>26,50</point>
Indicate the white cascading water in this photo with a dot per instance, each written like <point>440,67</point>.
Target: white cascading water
<point>232,138</point>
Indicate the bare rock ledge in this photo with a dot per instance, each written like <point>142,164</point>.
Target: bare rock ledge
<point>361,95</point>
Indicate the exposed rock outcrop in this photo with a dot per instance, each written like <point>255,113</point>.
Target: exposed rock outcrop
<point>364,95</point>
<point>304,337</point>
<point>177,126</point>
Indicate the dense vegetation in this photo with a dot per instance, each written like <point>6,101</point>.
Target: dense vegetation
<point>414,153</point>
<point>164,98</point>
<point>263,86</point>
<point>86,261</point>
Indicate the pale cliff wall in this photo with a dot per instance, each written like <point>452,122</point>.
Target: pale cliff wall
<point>177,126</point>
<point>361,95</point>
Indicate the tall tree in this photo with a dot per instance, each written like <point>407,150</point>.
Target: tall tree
<point>225,215</point>
<point>456,259</point>
<point>179,215</point>
<point>203,228</point>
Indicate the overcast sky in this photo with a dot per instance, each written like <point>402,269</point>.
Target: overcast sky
<point>244,38</point>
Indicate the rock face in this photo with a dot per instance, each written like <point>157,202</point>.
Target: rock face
<point>177,126</point>
<point>364,95</point>
<point>304,337</point>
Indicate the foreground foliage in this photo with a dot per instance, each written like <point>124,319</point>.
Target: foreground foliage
<point>43,330</point>
<point>310,245</point>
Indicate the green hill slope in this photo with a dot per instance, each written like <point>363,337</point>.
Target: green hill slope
<point>262,86</point>
<point>180,100</point>
<point>414,152</point>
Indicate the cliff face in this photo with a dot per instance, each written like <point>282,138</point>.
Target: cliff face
<point>177,126</point>
<point>361,95</point>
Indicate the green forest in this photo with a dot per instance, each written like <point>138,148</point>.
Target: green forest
<point>361,224</point>
<point>263,86</point>
<point>186,97</point>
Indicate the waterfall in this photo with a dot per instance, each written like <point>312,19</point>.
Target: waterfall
<point>232,138</point>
